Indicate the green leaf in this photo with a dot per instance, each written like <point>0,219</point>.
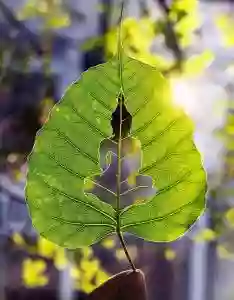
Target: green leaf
<point>64,165</point>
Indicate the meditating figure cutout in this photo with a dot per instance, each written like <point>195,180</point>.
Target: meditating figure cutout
<point>133,187</point>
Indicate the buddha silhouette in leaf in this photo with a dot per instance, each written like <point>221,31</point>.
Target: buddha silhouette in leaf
<point>133,187</point>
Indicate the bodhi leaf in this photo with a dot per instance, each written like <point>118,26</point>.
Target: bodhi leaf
<point>66,191</point>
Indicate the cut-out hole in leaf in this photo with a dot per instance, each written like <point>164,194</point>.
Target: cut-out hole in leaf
<point>104,185</point>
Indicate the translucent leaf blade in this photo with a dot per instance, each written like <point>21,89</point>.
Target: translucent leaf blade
<point>65,153</point>
<point>169,157</point>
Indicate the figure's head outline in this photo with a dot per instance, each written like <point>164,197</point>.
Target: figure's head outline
<point>126,119</point>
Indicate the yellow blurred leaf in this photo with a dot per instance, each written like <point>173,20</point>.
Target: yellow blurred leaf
<point>120,254</point>
<point>46,248</point>
<point>27,11</point>
<point>33,273</point>
<point>136,34</point>
<point>58,21</point>
<point>75,273</point>
<point>86,252</point>
<point>186,40</point>
<point>197,63</point>
<point>51,12</point>
<point>89,268</point>
<point>186,5</point>
<point>188,24</point>
<point>101,277</point>
<point>108,243</point>
<point>86,286</point>
<point>229,128</point>
<point>230,217</point>
<point>206,234</point>
<point>18,239</point>
<point>60,259</point>
<point>223,253</point>
<point>170,254</point>
<point>225,23</point>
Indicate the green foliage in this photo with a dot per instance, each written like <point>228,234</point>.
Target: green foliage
<point>184,15</point>
<point>86,271</point>
<point>50,11</point>
<point>137,39</point>
<point>65,156</point>
<point>178,27</point>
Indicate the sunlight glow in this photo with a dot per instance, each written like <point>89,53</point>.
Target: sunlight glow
<point>198,98</point>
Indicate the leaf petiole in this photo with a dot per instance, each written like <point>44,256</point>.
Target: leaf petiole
<point>120,235</point>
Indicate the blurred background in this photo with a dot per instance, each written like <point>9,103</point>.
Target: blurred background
<point>44,46</point>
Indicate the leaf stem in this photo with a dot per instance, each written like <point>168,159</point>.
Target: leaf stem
<point>120,71</point>
<point>119,149</point>
<point>120,47</point>
<point>126,250</point>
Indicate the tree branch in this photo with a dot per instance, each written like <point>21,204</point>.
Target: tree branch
<point>171,39</point>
